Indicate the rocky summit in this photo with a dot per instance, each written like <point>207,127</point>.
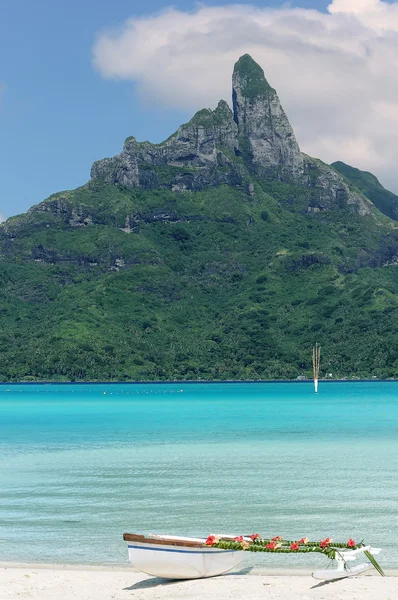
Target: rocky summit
<point>266,138</point>
<point>222,253</point>
<point>227,146</point>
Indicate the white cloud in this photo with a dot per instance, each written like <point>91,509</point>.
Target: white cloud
<point>336,73</point>
<point>2,217</point>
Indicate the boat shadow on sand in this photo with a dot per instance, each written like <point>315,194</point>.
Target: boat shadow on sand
<point>154,582</point>
<point>151,583</point>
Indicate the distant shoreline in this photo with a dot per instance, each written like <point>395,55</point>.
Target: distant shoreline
<point>202,382</point>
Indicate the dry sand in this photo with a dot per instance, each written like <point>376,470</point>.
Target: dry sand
<point>100,583</point>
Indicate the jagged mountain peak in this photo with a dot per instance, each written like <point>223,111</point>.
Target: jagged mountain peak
<point>266,137</point>
<point>251,75</point>
<point>231,147</point>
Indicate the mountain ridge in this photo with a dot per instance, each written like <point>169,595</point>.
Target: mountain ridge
<point>256,130</point>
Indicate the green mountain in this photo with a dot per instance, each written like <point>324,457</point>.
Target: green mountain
<point>222,253</point>
<point>386,201</point>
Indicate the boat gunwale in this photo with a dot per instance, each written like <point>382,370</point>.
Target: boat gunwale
<point>135,537</point>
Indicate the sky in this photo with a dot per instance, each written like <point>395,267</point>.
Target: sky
<point>79,76</point>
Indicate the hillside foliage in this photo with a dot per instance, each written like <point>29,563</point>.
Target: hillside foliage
<point>219,284</point>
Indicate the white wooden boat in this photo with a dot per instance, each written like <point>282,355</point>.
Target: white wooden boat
<point>343,568</point>
<point>175,557</point>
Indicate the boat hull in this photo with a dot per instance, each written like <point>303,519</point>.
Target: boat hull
<point>173,562</point>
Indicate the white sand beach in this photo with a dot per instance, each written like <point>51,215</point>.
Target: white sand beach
<point>101,583</point>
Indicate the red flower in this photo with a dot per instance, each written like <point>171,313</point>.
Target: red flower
<point>294,546</point>
<point>304,540</point>
<point>239,538</point>
<point>254,536</point>
<point>326,542</point>
<point>271,546</point>
<point>277,538</point>
<point>210,540</point>
<point>351,543</point>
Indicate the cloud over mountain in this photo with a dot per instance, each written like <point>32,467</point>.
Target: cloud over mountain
<point>336,72</point>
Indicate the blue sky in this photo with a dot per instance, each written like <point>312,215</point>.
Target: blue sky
<point>57,113</point>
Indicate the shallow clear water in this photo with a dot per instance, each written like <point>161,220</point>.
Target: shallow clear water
<point>78,467</point>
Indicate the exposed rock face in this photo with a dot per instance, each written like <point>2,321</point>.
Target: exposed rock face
<point>267,139</point>
<point>224,147</point>
<point>190,159</point>
<point>368,184</point>
<point>73,216</point>
<point>330,190</point>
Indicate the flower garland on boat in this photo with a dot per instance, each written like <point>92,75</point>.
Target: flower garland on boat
<point>254,543</point>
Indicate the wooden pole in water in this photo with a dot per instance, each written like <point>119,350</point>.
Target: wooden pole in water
<point>316,361</point>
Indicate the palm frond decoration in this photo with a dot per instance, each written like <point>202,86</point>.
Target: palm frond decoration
<point>374,562</point>
<point>255,543</point>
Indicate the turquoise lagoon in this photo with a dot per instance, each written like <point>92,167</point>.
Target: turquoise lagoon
<point>81,464</point>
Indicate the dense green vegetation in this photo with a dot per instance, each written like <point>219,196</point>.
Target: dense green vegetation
<point>386,201</point>
<point>107,283</point>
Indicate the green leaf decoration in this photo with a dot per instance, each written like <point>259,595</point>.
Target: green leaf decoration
<point>374,562</point>
<point>280,546</point>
